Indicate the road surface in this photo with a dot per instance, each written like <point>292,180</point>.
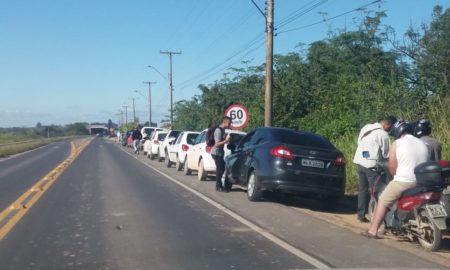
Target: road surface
<point>111,209</point>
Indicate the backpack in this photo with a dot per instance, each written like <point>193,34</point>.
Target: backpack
<point>210,136</point>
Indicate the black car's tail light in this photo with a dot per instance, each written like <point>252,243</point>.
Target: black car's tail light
<point>339,161</point>
<point>282,152</point>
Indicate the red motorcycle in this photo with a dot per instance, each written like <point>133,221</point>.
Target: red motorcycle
<point>421,214</point>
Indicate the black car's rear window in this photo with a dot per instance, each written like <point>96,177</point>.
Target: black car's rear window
<point>302,139</point>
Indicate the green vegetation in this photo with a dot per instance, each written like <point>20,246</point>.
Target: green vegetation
<point>337,85</point>
<point>19,147</point>
<point>17,140</point>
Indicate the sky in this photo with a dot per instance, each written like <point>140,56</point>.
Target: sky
<point>72,61</point>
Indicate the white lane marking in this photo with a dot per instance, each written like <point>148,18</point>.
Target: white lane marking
<point>278,241</point>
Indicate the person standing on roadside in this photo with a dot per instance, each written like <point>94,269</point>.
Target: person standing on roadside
<point>422,130</point>
<point>136,136</point>
<point>218,152</point>
<point>373,138</point>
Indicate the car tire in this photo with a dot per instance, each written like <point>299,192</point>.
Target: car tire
<point>145,153</point>
<point>160,158</point>
<point>227,184</point>
<point>253,192</point>
<point>167,160</point>
<point>151,156</point>
<point>202,174</point>
<point>178,164</point>
<point>330,203</point>
<point>186,169</point>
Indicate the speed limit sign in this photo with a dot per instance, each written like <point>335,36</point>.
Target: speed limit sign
<point>239,116</point>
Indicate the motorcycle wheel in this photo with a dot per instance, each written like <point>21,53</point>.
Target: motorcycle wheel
<point>371,213</point>
<point>430,236</point>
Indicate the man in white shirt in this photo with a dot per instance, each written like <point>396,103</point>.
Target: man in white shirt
<point>406,153</point>
<point>374,139</point>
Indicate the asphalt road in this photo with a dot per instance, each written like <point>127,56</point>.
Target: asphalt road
<point>20,172</point>
<point>112,210</point>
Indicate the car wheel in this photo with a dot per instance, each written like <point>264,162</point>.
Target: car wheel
<point>160,158</point>
<point>202,174</point>
<point>145,153</point>
<point>186,168</point>
<point>226,181</point>
<point>178,164</point>
<point>151,156</point>
<point>253,191</point>
<point>167,160</point>
<point>330,203</point>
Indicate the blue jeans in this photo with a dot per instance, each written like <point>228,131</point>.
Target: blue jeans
<point>136,146</point>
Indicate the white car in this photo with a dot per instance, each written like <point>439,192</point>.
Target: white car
<point>177,150</point>
<point>151,146</point>
<point>147,133</point>
<point>171,136</point>
<point>199,157</point>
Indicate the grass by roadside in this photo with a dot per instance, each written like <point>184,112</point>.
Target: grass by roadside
<point>27,144</point>
<point>439,116</point>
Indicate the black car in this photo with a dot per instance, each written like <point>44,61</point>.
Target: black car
<point>281,159</point>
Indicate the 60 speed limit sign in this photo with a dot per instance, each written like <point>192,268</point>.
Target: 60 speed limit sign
<point>239,116</point>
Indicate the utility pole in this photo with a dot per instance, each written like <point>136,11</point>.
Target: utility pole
<point>170,53</point>
<point>149,102</point>
<point>269,64</point>
<point>126,113</point>
<point>134,111</point>
<point>121,117</point>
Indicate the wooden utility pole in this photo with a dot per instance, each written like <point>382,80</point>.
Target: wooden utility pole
<point>126,113</point>
<point>134,111</point>
<point>149,102</point>
<point>269,64</point>
<point>170,53</point>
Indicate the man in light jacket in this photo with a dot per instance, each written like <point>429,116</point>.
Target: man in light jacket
<point>373,138</point>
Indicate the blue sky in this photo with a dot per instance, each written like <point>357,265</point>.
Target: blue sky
<point>81,60</point>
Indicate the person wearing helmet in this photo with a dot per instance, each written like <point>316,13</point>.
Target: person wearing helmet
<point>373,138</point>
<point>422,130</point>
<point>405,154</point>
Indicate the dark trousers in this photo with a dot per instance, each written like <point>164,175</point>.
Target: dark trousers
<point>367,178</point>
<point>220,168</point>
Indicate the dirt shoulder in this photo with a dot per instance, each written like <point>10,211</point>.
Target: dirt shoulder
<point>345,217</point>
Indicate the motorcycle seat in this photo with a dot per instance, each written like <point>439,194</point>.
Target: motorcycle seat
<point>419,189</point>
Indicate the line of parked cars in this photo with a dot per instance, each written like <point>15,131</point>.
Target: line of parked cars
<point>264,160</point>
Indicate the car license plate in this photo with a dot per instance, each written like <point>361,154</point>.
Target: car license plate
<point>436,210</point>
<point>313,163</point>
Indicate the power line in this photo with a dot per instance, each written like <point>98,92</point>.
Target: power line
<point>300,12</point>
<point>247,52</point>
<point>213,70</point>
<point>238,52</point>
<point>332,18</point>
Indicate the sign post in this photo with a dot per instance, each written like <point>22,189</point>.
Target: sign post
<point>239,116</point>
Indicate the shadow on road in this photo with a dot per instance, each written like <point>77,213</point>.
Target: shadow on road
<point>347,205</point>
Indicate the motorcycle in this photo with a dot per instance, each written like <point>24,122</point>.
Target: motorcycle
<point>422,213</point>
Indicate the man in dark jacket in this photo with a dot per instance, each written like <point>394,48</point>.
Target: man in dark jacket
<point>136,136</point>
